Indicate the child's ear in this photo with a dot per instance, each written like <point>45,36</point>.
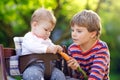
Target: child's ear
<point>34,24</point>
<point>93,34</point>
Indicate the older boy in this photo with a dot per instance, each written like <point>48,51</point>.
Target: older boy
<point>87,50</point>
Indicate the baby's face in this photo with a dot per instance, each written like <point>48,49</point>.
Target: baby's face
<point>44,30</point>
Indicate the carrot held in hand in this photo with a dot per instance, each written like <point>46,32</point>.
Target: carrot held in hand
<point>66,57</point>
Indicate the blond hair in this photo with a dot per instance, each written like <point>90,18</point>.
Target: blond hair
<point>88,19</point>
<point>40,15</point>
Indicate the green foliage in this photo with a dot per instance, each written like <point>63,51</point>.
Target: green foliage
<point>114,76</point>
<point>111,33</point>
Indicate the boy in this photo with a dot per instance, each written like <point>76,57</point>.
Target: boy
<point>38,41</point>
<point>87,50</point>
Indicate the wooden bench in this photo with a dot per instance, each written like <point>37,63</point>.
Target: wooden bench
<point>26,60</point>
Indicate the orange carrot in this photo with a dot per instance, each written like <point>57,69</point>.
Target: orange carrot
<point>64,55</point>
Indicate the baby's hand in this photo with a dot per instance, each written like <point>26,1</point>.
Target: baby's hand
<point>54,49</point>
<point>59,48</point>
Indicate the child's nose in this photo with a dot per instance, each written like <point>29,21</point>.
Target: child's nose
<point>48,33</point>
<point>74,33</point>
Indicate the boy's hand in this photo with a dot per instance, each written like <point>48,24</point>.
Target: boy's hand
<point>72,63</point>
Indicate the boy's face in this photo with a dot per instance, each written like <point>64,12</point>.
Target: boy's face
<point>43,30</point>
<point>80,35</point>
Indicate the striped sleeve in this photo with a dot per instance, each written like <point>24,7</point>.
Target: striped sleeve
<point>100,65</point>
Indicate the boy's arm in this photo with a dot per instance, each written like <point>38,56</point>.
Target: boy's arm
<point>100,65</point>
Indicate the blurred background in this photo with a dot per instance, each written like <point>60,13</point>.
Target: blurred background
<point>15,18</point>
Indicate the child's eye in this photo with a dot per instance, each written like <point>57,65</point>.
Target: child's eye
<point>45,29</point>
<point>72,30</point>
<point>79,31</point>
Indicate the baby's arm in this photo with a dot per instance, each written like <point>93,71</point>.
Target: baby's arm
<point>29,46</point>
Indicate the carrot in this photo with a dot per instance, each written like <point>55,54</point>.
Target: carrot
<point>64,55</point>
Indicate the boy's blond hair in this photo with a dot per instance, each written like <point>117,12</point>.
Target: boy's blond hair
<point>41,15</point>
<point>88,19</point>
